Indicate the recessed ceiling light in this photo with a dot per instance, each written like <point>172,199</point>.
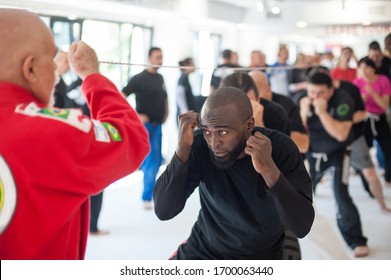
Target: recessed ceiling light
<point>276,10</point>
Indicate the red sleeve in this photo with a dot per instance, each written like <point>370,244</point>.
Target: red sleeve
<point>127,137</point>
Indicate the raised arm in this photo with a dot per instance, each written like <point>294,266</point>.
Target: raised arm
<point>338,129</point>
<point>287,180</point>
<point>176,183</point>
<point>117,142</point>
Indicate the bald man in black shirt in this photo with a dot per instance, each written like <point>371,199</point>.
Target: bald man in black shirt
<point>252,183</point>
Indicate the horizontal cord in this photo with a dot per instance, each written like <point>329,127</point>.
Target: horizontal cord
<point>209,68</point>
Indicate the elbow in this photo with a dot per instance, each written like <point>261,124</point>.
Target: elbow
<point>342,137</point>
<point>138,155</point>
<point>163,214</point>
<point>306,228</point>
<point>303,148</point>
<point>301,140</point>
<point>165,210</point>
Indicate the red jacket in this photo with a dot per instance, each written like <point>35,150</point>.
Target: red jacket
<point>52,160</point>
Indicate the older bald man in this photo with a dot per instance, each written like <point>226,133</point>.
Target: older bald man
<point>52,160</point>
<point>298,132</point>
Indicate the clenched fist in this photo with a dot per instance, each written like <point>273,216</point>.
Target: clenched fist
<point>260,149</point>
<point>83,59</point>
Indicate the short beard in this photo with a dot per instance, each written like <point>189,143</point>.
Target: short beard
<point>232,155</point>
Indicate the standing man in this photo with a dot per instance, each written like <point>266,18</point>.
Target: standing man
<point>279,81</point>
<point>258,60</point>
<point>60,92</point>
<point>152,108</point>
<point>252,183</point>
<point>223,69</point>
<point>52,160</point>
<point>328,115</point>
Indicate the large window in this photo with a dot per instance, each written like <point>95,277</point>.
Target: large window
<point>206,48</point>
<point>65,31</point>
<point>112,41</point>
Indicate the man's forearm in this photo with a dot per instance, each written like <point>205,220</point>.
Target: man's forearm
<point>169,194</point>
<point>339,130</point>
<point>295,210</point>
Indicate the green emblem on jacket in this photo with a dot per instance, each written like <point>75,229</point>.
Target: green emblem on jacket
<point>114,133</point>
<point>343,110</point>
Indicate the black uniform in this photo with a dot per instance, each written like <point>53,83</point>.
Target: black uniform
<point>240,217</point>
<point>354,92</point>
<point>275,117</point>
<point>297,75</point>
<point>184,82</point>
<point>326,153</point>
<point>292,111</point>
<point>150,94</point>
<point>220,73</point>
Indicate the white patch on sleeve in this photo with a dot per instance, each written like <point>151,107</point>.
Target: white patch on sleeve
<point>101,133</point>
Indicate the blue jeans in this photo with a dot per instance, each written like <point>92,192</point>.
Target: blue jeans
<point>152,162</point>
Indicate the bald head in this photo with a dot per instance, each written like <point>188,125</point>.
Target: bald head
<point>26,52</point>
<point>229,96</point>
<point>262,84</point>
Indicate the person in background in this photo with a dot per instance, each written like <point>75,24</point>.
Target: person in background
<point>266,113</point>
<point>328,115</point>
<point>387,46</point>
<point>252,183</point>
<point>375,91</point>
<point>298,133</point>
<point>56,158</point>
<point>382,63</point>
<point>258,60</point>
<point>343,71</point>
<point>327,60</point>
<point>60,93</point>
<point>297,77</point>
<point>360,158</point>
<point>235,58</point>
<point>279,74</point>
<point>383,66</point>
<point>223,69</point>
<point>185,98</point>
<point>152,108</point>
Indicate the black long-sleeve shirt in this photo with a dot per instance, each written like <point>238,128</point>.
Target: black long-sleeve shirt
<point>151,94</point>
<point>240,217</point>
